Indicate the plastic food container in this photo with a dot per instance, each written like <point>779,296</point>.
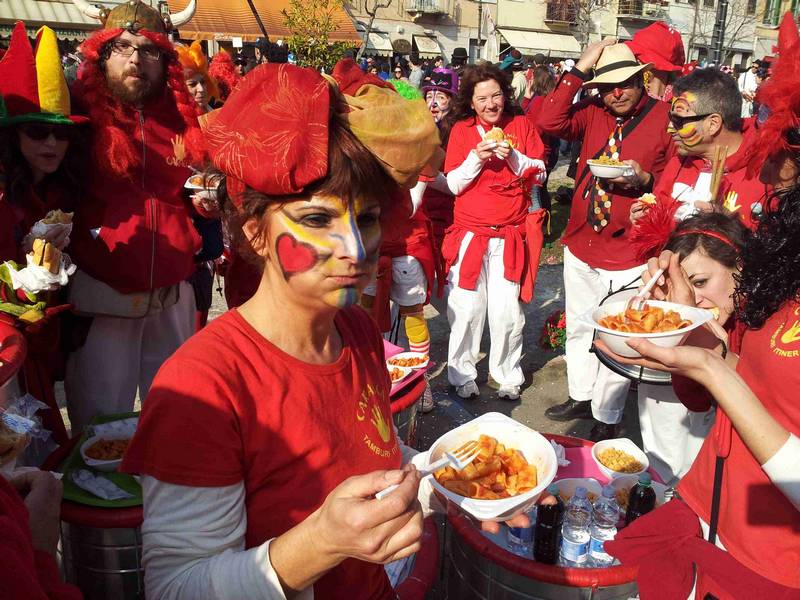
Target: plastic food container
<point>626,446</point>
<point>407,355</point>
<point>100,465</point>
<point>567,487</point>
<point>666,339</point>
<point>604,171</point>
<point>534,447</point>
<point>406,372</point>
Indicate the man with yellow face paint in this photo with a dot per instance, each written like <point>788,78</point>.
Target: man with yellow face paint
<point>704,116</point>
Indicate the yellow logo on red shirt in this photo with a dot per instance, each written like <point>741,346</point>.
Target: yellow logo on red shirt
<point>178,159</point>
<point>784,341</point>
<point>385,445</point>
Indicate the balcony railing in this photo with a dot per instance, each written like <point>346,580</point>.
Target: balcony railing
<point>562,11</point>
<point>640,9</point>
<point>429,7</point>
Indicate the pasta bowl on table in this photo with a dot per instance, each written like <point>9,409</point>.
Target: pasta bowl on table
<point>619,457</point>
<point>532,447</point>
<point>104,452</point>
<point>615,325</point>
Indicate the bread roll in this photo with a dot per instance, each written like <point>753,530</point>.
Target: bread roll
<point>495,134</point>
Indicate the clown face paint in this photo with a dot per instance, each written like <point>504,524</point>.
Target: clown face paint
<point>684,104</point>
<point>687,135</point>
<point>326,249</point>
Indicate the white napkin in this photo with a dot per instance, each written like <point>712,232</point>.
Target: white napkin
<point>99,486</point>
<point>34,279</point>
<point>117,429</point>
<point>561,454</point>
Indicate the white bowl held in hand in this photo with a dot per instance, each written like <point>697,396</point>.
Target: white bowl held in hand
<point>625,445</point>
<point>604,171</point>
<point>534,447</point>
<point>615,340</point>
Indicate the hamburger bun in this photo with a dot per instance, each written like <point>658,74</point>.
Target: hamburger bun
<point>495,134</point>
<point>648,199</point>
<point>46,255</point>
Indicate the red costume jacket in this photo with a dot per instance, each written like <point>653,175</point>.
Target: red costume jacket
<point>648,144</point>
<point>136,234</point>
<point>683,171</point>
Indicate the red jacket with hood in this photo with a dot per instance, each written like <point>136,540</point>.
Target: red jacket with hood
<point>135,234</point>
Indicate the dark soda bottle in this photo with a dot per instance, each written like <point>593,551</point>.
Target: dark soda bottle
<point>547,535</point>
<point>642,499</point>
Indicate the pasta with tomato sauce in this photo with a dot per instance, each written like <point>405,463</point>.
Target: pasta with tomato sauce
<point>651,319</point>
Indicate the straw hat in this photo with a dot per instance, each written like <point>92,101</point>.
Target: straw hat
<point>617,63</point>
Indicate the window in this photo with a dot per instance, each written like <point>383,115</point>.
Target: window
<point>772,13</point>
<point>709,3</point>
<point>751,7</point>
<point>796,7</point>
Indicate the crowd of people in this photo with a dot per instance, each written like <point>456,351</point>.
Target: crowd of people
<point>265,433</point>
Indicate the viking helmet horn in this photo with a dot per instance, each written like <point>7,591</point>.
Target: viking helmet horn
<point>90,10</point>
<point>184,16</point>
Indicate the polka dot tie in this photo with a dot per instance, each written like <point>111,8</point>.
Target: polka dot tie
<point>599,206</point>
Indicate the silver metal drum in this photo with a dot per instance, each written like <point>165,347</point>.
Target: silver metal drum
<point>103,563</point>
<point>471,575</point>
<point>406,422</point>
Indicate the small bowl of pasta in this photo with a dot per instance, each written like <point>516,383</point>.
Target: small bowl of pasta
<point>665,324</point>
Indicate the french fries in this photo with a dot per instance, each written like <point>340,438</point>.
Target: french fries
<point>497,472</point>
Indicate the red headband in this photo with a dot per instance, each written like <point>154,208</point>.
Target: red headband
<point>713,234</point>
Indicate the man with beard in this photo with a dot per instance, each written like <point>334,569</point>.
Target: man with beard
<point>133,239</point>
<point>621,125</point>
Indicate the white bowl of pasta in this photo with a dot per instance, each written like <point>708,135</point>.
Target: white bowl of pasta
<point>665,324</point>
<point>530,445</point>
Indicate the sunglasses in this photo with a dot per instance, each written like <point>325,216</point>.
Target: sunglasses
<point>42,131</point>
<point>678,121</point>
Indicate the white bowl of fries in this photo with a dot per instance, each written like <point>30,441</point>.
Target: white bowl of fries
<point>615,325</point>
<point>533,446</point>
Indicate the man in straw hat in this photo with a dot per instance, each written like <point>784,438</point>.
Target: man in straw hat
<point>619,124</point>
<point>133,240</point>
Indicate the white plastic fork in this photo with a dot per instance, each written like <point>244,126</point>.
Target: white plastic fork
<point>459,459</point>
<point>637,302</point>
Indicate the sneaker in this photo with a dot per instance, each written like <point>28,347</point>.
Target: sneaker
<point>509,392</point>
<point>468,390</point>
<point>427,399</point>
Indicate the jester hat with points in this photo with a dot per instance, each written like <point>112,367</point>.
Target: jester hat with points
<point>32,83</point>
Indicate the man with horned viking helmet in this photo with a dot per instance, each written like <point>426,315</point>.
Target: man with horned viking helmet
<point>133,239</point>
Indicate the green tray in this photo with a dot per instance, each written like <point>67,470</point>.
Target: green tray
<point>75,462</point>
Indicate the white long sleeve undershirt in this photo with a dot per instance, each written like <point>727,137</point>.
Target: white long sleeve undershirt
<point>783,469</point>
<point>194,542</point>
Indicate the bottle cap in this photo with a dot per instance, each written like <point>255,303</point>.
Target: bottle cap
<point>580,492</point>
<point>552,489</point>
<point>609,492</point>
<point>645,479</point>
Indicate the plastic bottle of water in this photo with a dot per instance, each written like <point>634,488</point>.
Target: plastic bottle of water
<point>520,539</point>
<point>604,526</point>
<point>575,532</point>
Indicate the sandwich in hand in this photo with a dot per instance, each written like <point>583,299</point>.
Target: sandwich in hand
<point>648,199</point>
<point>58,217</point>
<point>495,134</point>
<point>46,255</point>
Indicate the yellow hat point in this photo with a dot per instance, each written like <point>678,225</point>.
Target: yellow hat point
<point>53,91</point>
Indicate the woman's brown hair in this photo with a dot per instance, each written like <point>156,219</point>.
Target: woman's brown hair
<point>543,82</point>
<point>730,227</point>
<point>353,172</point>
<point>471,76</point>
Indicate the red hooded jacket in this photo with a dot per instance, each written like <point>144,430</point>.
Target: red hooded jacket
<point>135,234</point>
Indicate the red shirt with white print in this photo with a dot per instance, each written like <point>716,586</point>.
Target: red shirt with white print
<point>289,430</point>
<point>758,524</point>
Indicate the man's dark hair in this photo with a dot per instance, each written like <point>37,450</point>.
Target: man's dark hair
<point>539,59</point>
<point>717,93</point>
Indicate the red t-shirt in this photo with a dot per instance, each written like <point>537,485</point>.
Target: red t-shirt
<point>230,407</point>
<point>497,196</point>
<point>757,523</point>
<point>591,123</point>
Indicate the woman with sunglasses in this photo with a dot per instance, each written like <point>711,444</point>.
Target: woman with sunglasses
<point>42,157</point>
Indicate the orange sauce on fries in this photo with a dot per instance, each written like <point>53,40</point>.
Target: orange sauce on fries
<point>650,319</point>
<point>497,472</point>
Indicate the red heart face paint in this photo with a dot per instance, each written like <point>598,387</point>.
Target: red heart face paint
<point>293,256</point>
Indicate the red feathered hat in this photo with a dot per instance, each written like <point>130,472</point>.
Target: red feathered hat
<point>660,44</point>
<point>650,233</point>
<point>781,95</point>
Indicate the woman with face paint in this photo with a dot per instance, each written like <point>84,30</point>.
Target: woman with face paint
<point>487,251</point>
<point>265,437</point>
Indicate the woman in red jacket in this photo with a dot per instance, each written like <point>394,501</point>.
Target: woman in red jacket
<point>485,249</point>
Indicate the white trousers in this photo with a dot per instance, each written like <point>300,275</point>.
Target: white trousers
<point>671,434</point>
<point>121,357</point>
<point>584,288</point>
<point>467,310</point>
